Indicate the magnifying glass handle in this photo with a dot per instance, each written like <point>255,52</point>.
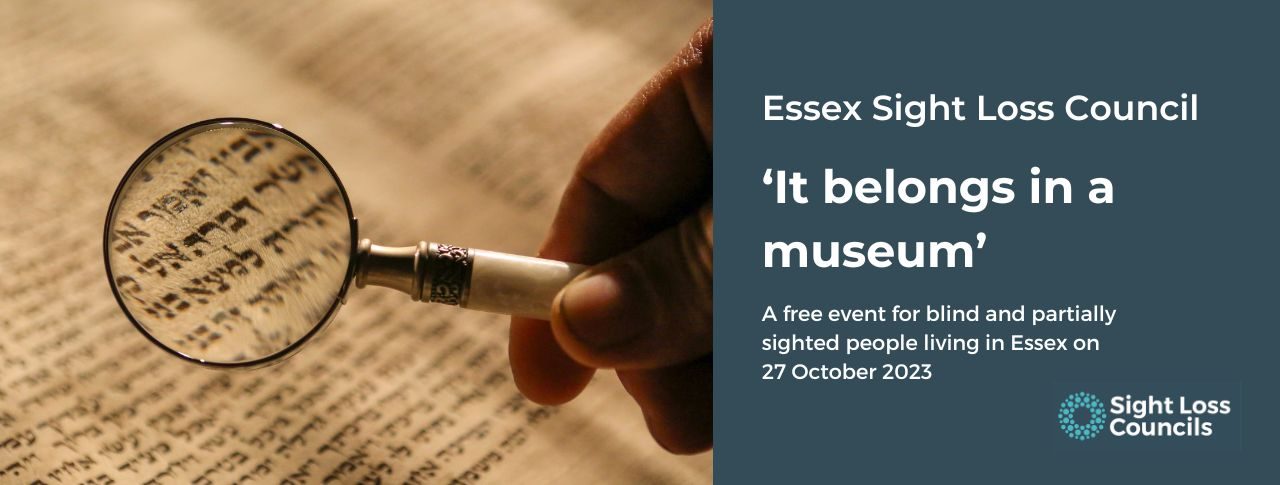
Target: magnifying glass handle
<point>477,279</point>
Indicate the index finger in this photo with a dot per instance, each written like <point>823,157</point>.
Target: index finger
<point>648,168</point>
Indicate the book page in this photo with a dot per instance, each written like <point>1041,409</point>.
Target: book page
<point>447,121</point>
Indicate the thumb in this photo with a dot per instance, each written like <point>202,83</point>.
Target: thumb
<point>649,307</point>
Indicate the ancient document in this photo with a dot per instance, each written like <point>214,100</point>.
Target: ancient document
<point>447,121</point>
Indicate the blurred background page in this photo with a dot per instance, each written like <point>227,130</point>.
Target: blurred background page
<point>449,121</point>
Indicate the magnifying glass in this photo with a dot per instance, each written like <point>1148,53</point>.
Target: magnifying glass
<point>231,242</point>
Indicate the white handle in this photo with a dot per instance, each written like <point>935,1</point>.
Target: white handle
<point>516,285</point>
<point>470,278</point>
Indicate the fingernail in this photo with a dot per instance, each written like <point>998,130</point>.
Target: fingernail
<point>591,308</point>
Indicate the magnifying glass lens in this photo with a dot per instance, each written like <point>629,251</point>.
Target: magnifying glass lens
<point>230,242</point>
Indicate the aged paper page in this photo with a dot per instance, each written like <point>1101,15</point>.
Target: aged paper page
<point>448,121</point>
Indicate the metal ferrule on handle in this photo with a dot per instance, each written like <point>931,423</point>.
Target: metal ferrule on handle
<point>470,278</point>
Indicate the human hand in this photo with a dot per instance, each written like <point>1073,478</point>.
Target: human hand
<point>639,204</point>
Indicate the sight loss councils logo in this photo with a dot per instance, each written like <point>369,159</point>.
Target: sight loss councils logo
<point>1082,405</point>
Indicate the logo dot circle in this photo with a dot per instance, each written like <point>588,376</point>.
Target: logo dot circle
<point>1092,426</point>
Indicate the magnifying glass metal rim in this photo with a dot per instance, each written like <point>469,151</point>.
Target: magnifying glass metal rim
<point>211,124</point>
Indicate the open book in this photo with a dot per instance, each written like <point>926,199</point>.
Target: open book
<point>448,121</point>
